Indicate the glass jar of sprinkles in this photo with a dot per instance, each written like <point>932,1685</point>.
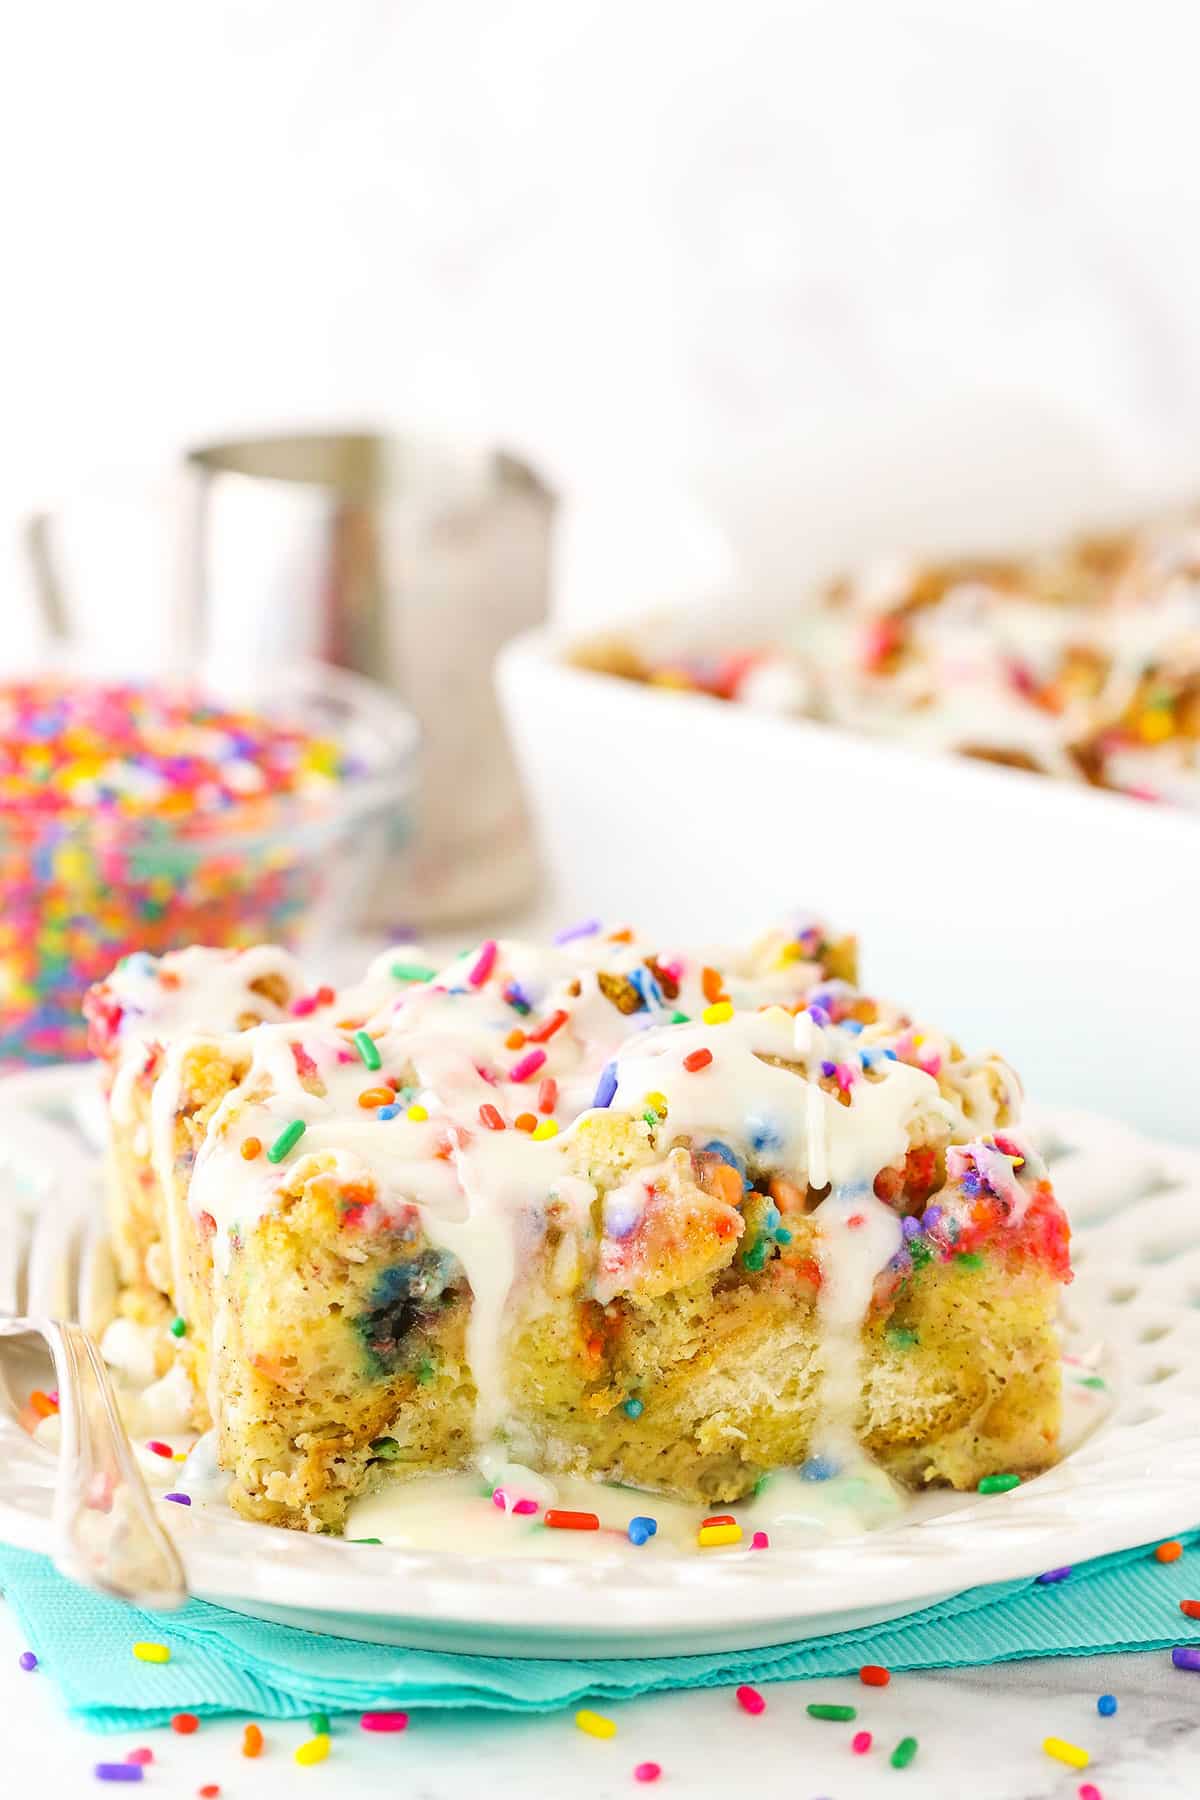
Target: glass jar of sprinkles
<point>147,816</point>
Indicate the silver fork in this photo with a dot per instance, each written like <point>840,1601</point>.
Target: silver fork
<point>55,1269</point>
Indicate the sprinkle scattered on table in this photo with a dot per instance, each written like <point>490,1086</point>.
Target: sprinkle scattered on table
<point>595,1724</point>
<point>1061,1751</point>
<point>313,1750</point>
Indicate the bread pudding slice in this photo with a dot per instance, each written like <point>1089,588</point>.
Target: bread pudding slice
<point>667,1219</point>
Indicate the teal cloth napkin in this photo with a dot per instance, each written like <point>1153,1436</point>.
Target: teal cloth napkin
<point>223,1663</point>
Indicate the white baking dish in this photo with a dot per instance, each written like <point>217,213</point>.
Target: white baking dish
<point>1057,923</point>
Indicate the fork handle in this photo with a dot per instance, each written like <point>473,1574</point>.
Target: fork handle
<point>107,1531</point>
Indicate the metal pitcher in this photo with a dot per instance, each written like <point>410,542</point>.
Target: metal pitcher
<point>413,562</point>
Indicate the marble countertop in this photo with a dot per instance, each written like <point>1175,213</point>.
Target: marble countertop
<point>979,1731</point>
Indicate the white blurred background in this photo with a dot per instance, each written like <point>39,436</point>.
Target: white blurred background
<point>652,245</point>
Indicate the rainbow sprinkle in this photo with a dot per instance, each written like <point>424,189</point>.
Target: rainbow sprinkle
<point>606,1087</point>
<point>585,928</point>
<point>998,1484</point>
<point>527,1065</point>
<point>718,1014</point>
<point>314,1750</point>
<point>1062,1752</point>
<point>711,1537</point>
<point>287,1140</point>
<point>595,1724</point>
<point>485,963</point>
<point>559,1519</point>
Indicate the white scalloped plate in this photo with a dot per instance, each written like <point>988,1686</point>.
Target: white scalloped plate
<point>1135,1209</point>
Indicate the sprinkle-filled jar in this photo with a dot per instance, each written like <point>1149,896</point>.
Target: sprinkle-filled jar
<point>144,817</point>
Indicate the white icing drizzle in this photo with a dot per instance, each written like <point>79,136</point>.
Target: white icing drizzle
<point>198,989</point>
<point>787,1091</point>
<point>813,1137</point>
<point>857,1237</point>
<point>192,990</point>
